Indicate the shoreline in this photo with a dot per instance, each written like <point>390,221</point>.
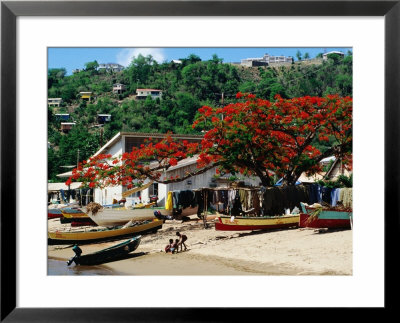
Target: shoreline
<point>295,251</point>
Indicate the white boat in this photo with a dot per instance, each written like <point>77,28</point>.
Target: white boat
<point>109,217</point>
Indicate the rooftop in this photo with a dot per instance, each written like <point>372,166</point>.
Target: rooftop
<point>119,135</point>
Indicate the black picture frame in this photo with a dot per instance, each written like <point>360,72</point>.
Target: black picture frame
<point>10,10</point>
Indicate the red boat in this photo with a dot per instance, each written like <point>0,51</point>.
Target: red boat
<point>240,223</point>
<point>54,214</point>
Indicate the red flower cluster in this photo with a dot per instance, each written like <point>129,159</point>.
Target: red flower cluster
<point>255,136</point>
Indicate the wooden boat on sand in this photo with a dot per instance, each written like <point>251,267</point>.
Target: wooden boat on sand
<point>73,213</point>
<point>105,255</point>
<point>55,211</point>
<point>316,216</point>
<point>91,234</point>
<point>241,223</point>
<point>112,217</point>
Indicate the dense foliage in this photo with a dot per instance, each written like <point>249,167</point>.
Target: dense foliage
<point>186,88</point>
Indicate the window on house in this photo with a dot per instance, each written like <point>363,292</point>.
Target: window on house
<point>153,189</point>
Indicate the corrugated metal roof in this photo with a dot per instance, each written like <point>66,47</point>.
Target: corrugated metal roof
<point>61,186</point>
<point>65,175</point>
<point>119,135</point>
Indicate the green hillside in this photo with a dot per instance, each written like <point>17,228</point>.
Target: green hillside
<point>185,88</point>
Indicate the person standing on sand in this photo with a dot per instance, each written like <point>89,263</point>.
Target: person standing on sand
<point>182,239</point>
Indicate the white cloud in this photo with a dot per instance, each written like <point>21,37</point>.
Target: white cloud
<point>124,57</point>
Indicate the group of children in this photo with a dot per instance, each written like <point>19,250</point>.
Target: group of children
<point>173,247</point>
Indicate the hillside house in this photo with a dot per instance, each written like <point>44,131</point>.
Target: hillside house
<point>87,96</point>
<point>113,67</point>
<point>124,141</point>
<point>62,116</point>
<point>118,88</point>
<point>54,102</point>
<point>103,118</point>
<point>67,126</point>
<point>266,60</point>
<point>142,94</point>
<point>325,55</point>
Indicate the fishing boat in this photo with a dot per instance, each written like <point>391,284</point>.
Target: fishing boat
<point>73,213</point>
<point>242,223</point>
<point>112,217</point>
<point>78,222</point>
<point>144,206</point>
<point>54,213</point>
<point>316,216</point>
<point>105,255</point>
<point>97,234</point>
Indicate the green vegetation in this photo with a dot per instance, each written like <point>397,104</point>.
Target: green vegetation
<point>186,87</point>
<point>341,181</point>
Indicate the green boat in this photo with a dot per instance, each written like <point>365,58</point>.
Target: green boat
<point>105,255</point>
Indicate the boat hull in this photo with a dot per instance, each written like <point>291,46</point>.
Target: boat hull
<point>224,223</point>
<point>325,221</point>
<point>54,214</point>
<point>113,217</point>
<point>109,254</point>
<point>78,222</point>
<point>81,237</point>
<point>73,213</point>
<point>326,218</point>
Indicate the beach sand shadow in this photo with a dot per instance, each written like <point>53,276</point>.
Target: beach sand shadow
<point>256,232</point>
<point>124,257</point>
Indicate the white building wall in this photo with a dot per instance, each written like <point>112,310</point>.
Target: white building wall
<point>105,196</point>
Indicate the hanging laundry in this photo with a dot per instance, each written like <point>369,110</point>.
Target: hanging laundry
<point>334,196</point>
<point>346,196</point>
<point>63,195</point>
<point>326,194</point>
<point>231,198</point>
<point>168,204</point>
<point>237,205</point>
<point>256,202</point>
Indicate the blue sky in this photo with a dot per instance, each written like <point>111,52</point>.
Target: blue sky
<point>74,57</point>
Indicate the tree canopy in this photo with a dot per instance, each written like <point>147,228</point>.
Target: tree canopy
<point>252,136</point>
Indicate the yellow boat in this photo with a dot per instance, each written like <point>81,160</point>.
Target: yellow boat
<point>91,234</point>
<point>73,213</point>
<point>144,206</point>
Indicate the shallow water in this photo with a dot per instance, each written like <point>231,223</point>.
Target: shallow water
<point>59,267</point>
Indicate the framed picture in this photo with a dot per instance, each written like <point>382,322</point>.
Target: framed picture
<point>370,28</point>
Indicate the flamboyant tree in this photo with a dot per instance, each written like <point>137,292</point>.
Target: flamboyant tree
<point>252,136</point>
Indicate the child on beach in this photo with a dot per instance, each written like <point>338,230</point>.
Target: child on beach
<point>175,246</point>
<point>169,246</point>
<point>182,240</point>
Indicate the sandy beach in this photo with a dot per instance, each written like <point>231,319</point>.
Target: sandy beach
<point>295,251</point>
